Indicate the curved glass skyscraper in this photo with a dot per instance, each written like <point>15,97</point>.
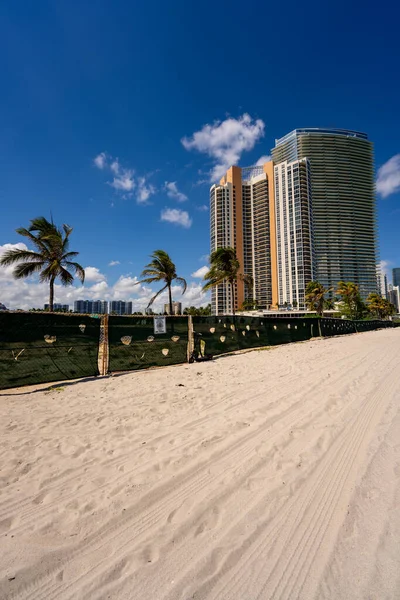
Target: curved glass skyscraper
<point>343,202</point>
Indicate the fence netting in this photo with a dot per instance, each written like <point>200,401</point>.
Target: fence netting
<point>337,327</point>
<point>341,326</point>
<point>134,345</point>
<point>227,334</point>
<point>40,347</point>
<point>44,347</point>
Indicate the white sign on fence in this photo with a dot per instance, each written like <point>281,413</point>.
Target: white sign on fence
<point>160,325</point>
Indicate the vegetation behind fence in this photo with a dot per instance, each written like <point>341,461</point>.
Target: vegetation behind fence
<point>44,347</point>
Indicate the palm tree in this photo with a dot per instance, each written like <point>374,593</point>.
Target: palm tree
<point>350,296</point>
<point>198,311</point>
<point>161,268</point>
<point>225,267</point>
<point>51,259</point>
<point>380,306</point>
<point>315,297</point>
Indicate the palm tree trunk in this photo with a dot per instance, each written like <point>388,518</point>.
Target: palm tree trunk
<point>170,299</point>
<point>171,309</point>
<point>233,298</point>
<point>51,298</point>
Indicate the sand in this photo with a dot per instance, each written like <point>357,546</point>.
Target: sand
<point>270,474</point>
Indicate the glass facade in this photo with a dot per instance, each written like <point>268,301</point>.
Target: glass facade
<point>343,202</point>
<point>396,276</point>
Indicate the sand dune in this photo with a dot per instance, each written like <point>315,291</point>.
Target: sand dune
<point>269,475</point>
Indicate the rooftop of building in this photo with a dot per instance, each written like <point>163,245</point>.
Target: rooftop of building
<point>321,131</point>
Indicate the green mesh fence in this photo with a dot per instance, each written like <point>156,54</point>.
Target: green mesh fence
<point>341,326</point>
<point>336,327</point>
<point>362,326</point>
<point>225,334</point>
<point>134,345</point>
<point>40,348</point>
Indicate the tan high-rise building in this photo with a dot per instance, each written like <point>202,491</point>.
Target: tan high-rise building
<point>264,212</point>
<point>242,216</point>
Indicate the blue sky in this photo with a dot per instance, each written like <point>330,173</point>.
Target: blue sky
<point>157,92</point>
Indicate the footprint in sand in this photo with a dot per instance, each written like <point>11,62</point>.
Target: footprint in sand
<point>42,498</point>
<point>208,520</point>
<point>6,524</point>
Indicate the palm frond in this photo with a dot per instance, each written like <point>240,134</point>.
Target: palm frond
<point>214,281</point>
<point>156,295</point>
<point>181,281</point>
<point>78,269</point>
<point>67,230</point>
<point>35,241</point>
<point>65,276</point>
<point>13,256</point>
<point>26,269</point>
<point>52,258</point>
<point>42,225</point>
<point>150,279</point>
<point>150,272</point>
<point>163,264</point>
<point>50,272</point>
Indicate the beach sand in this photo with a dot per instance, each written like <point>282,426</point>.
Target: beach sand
<point>270,474</point>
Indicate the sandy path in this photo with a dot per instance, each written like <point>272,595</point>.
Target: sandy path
<point>272,474</point>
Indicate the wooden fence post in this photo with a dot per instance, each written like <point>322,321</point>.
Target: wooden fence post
<point>103,346</point>
<point>190,346</point>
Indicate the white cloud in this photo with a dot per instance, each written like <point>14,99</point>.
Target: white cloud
<point>199,274</point>
<point>115,166</point>
<point>202,207</point>
<point>194,295</point>
<point>384,267</point>
<point>101,160</point>
<point>92,274</point>
<point>6,273</point>
<point>124,179</point>
<point>29,293</point>
<point>113,263</point>
<point>173,192</point>
<point>263,159</point>
<point>388,180</point>
<point>225,141</point>
<point>177,216</point>
<point>145,190</point>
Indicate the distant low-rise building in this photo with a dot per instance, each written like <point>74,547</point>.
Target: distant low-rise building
<point>91,307</point>
<point>176,308</point>
<point>83,306</point>
<point>120,307</point>
<point>57,306</point>
<point>100,307</point>
<point>394,296</point>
